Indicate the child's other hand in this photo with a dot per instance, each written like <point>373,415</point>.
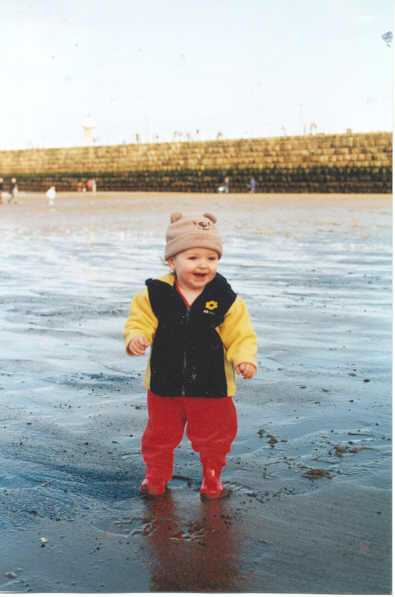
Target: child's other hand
<point>247,370</point>
<point>138,346</point>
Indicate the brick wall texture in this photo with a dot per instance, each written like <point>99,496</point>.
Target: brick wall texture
<point>346,163</point>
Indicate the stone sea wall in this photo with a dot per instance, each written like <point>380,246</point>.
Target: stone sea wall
<point>344,163</point>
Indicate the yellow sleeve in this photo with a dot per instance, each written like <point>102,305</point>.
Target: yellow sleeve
<point>238,335</point>
<point>141,320</point>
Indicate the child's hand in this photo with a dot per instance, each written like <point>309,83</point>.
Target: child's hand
<point>137,346</point>
<point>247,370</point>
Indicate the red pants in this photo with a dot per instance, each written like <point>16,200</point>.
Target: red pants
<point>211,426</point>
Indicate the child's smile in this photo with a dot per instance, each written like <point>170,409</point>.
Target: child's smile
<point>200,276</point>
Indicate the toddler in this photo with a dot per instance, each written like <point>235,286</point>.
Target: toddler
<point>200,332</point>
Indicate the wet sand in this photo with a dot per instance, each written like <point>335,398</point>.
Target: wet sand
<point>310,510</point>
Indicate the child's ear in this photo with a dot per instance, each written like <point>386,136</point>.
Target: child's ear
<point>171,262</point>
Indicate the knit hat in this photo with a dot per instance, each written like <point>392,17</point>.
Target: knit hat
<point>191,233</point>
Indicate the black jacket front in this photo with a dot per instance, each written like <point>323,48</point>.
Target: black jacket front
<point>187,354</point>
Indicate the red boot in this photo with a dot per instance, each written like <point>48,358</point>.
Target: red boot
<point>153,487</point>
<point>212,487</point>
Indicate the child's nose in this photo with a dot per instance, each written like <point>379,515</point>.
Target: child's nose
<point>203,264</point>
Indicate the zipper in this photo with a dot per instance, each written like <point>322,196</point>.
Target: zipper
<point>184,367</point>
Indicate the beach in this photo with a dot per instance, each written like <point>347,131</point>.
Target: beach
<point>310,470</point>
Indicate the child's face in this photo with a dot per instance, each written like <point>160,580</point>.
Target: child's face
<point>195,267</point>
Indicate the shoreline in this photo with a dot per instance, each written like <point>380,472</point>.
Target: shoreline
<point>176,195</point>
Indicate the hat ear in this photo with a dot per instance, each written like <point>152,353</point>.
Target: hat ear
<point>211,217</point>
<point>174,217</point>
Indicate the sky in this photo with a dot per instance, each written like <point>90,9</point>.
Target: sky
<point>190,69</point>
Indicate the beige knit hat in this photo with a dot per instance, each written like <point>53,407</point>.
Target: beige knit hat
<point>192,233</point>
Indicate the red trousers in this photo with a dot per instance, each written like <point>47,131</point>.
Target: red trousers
<point>211,426</point>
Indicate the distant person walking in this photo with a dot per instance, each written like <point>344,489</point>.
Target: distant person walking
<point>5,197</point>
<point>91,185</point>
<point>224,188</point>
<point>14,191</point>
<point>51,195</point>
<point>252,185</point>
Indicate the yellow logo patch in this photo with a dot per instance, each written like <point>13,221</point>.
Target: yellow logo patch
<point>211,305</point>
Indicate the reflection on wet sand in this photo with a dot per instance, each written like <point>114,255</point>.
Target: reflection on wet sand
<point>194,553</point>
